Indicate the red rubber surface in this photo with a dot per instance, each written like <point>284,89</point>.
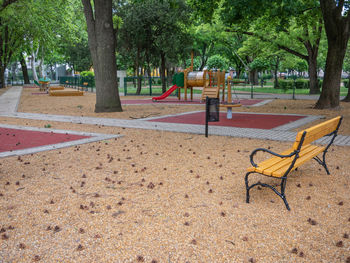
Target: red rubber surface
<point>258,121</point>
<point>16,139</point>
<point>176,101</point>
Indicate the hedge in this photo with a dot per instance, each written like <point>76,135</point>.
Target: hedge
<point>299,84</point>
<point>285,84</point>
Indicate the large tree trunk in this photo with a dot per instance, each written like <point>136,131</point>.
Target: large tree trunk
<point>312,70</point>
<point>102,48</point>
<point>2,76</point>
<point>337,31</point>
<point>331,83</point>
<point>253,77</point>
<point>24,70</point>
<point>162,71</point>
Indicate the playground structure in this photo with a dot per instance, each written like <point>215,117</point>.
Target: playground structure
<point>228,104</point>
<point>212,82</point>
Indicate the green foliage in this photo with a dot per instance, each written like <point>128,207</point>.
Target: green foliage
<point>266,76</point>
<point>217,62</point>
<point>150,28</point>
<point>87,76</point>
<point>260,64</point>
<point>302,84</point>
<point>346,83</point>
<point>285,84</point>
<point>196,63</point>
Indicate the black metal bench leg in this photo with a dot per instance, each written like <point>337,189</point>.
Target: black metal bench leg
<point>247,187</point>
<point>283,196</point>
<point>323,162</point>
<point>280,194</point>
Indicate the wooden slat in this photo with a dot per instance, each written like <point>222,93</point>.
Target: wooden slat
<point>268,167</point>
<point>271,161</point>
<point>300,161</point>
<point>316,132</point>
<point>285,163</point>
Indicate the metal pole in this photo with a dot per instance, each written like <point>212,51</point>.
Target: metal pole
<point>206,116</point>
<point>150,85</point>
<point>125,86</point>
<point>293,88</point>
<point>251,91</point>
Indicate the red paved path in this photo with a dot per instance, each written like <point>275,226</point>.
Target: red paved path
<point>16,139</point>
<point>176,101</point>
<point>258,121</point>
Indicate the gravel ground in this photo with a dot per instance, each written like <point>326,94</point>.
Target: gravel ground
<point>153,196</point>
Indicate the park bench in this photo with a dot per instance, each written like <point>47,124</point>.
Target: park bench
<point>281,164</point>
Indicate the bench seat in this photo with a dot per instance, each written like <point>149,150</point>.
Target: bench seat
<point>277,166</point>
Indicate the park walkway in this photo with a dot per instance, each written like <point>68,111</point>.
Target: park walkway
<point>10,99</point>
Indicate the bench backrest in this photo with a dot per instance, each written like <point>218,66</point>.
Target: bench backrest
<point>318,131</point>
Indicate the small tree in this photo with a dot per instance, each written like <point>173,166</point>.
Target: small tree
<point>217,62</point>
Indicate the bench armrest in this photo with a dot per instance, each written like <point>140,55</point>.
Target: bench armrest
<point>270,152</point>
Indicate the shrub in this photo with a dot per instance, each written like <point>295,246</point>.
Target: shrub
<point>285,84</point>
<point>266,76</point>
<point>346,83</point>
<point>87,76</point>
<point>302,84</point>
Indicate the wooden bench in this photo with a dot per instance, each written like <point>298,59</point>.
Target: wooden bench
<point>302,151</point>
<point>66,93</point>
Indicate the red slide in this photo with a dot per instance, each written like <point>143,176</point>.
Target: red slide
<point>165,94</point>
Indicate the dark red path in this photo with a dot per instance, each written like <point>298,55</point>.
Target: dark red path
<point>16,139</point>
<point>258,121</point>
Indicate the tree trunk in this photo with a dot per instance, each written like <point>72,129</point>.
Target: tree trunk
<point>275,72</point>
<point>312,70</point>
<point>337,31</point>
<point>203,57</point>
<point>331,83</point>
<point>101,37</point>
<point>2,76</point>
<point>24,70</point>
<point>138,79</point>
<point>253,77</point>
<point>41,64</point>
<point>32,63</point>
<point>162,72</point>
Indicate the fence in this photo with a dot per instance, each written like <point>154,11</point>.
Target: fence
<point>14,81</point>
<point>149,86</point>
<point>78,82</point>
